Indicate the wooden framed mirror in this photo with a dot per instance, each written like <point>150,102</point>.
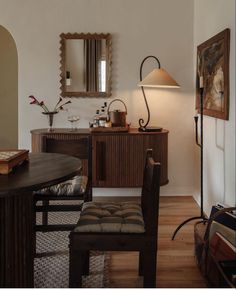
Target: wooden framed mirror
<point>85,65</point>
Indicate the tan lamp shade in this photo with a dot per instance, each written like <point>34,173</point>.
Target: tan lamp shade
<point>159,78</point>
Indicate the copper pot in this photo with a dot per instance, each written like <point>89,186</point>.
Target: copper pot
<point>117,118</point>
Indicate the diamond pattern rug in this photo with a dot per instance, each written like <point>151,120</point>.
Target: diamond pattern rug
<point>51,267</point>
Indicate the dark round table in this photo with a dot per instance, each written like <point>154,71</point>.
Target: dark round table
<point>17,215</point>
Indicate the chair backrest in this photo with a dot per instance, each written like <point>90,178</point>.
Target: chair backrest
<point>150,194</point>
<point>80,147</point>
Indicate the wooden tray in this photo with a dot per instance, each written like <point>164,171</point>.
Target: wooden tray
<point>12,158</point>
<point>109,129</point>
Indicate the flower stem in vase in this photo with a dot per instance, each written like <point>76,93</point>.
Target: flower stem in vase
<point>50,119</point>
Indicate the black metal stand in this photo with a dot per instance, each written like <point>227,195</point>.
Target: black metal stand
<point>201,169</point>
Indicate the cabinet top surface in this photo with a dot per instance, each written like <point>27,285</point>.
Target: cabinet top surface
<point>86,131</point>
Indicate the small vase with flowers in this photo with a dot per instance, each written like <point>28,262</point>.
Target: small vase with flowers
<point>58,107</point>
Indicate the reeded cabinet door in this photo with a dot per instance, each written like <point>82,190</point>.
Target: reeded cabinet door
<point>159,144</point>
<point>118,159</point>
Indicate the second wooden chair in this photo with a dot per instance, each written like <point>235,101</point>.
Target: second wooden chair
<point>77,188</point>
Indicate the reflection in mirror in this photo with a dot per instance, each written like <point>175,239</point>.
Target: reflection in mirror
<point>85,65</point>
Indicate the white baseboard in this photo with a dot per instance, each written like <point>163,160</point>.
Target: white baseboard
<point>196,196</point>
<point>116,191</point>
<point>164,191</point>
<point>177,191</point>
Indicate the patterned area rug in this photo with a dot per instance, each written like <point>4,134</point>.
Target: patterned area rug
<point>51,267</point>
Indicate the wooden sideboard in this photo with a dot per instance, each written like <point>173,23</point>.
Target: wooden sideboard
<point>118,158</point>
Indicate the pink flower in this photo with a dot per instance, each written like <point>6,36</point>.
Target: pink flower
<point>57,108</point>
<point>60,99</point>
<point>61,107</point>
<point>34,100</point>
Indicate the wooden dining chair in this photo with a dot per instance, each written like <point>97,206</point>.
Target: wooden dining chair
<point>76,189</point>
<point>123,226</point>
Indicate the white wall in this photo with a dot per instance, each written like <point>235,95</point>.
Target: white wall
<point>211,17</point>
<point>139,28</point>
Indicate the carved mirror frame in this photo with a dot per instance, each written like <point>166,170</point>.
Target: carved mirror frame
<point>66,36</point>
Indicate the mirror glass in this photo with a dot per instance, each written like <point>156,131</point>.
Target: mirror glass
<point>85,65</point>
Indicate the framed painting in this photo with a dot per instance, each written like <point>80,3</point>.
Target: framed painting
<point>213,67</point>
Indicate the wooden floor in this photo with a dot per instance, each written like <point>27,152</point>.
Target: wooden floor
<point>176,265</point>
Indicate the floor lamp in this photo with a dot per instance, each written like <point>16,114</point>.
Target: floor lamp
<point>201,168</point>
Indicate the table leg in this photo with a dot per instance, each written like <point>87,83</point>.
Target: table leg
<point>16,240</point>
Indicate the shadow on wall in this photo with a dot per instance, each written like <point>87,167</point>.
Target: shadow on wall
<point>8,91</point>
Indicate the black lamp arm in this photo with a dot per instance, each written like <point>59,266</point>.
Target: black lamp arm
<point>141,121</point>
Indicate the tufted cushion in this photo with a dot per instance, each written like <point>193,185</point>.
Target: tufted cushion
<point>74,186</point>
<point>125,217</point>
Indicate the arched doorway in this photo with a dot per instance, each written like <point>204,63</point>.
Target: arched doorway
<point>8,91</point>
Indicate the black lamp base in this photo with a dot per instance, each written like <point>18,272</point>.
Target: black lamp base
<point>150,129</point>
